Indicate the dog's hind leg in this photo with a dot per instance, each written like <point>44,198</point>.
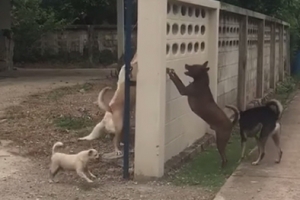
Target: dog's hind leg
<point>221,145</point>
<point>276,139</point>
<point>261,143</point>
<point>243,144</point>
<point>96,132</point>
<point>54,169</point>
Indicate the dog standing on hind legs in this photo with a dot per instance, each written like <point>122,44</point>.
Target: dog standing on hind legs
<point>112,121</point>
<point>261,123</point>
<point>202,103</point>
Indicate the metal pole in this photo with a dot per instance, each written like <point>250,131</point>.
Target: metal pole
<point>120,27</point>
<point>126,126</point>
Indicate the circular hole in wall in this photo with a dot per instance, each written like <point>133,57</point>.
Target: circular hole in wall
<point>223,43</point>
<point>219,43</point>
<point>183,29</point>
<point>168,49</point>
<point>196,47</point>
<point>197,12</point>
<point>227,29</point>
<point>168,8</point>
<point>190,47</point>
<point>224,29</point>
<point>227,43</point>
<point>182,48</point>
<point>183,10</point>
<point>203,13</point>
<point>175,48</point>
<point>220,29</point>
<point>202,46</point>
<point>197,29</point>
<point>202,29</point>
<point>230,43</point>
<point>190,29</point>
<point>237,30</point>
<point>175,29</point>
<point>190,11</point>
<point>237,42</point>
<point>175,9</point>
<point>231,30</point>
<point>168,28</point>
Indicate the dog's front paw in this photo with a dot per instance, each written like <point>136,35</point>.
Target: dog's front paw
<point>90,181</point>
<point>170,71</point>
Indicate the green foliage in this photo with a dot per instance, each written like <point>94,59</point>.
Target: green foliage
<point>30,24</point>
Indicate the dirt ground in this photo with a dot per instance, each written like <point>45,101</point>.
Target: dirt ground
<point>29,130</point>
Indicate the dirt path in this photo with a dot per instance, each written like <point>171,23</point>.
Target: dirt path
<point>22,178</point>
<point>270,181</point>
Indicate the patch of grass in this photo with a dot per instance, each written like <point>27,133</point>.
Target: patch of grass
<point>285,89</point>
<point>73,123</point>
<point>205,169</point>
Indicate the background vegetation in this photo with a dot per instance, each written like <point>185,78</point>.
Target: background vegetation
<point>34,18</point>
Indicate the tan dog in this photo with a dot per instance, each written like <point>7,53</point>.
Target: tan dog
<point>112,121</point>
<point>77,162</point>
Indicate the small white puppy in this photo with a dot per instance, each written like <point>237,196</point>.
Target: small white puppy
<point>77,162</point>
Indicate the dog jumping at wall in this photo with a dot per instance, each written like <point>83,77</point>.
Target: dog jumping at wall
<point>112,121</point>
<point>202,103</point>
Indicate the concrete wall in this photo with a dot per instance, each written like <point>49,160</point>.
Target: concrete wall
<point>75,40</point>
<point>182,33</point>
<point>228,60</point>
<point>179,33</point>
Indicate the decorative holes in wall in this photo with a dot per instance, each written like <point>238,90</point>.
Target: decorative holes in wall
<point>190,29</point>
<point>175,48</point>
<point>202,46</point>
<point>197,29</point>
<point>175,9</point>
<point>197,12</point>
<point>190,47</point>
<point>183,10</point>
<point>202,29</point>
<point>168,49</point>
<point>220,29</point>
<point>183,29</point>
<point>168,8</point>
<point>168,28</point>
<point>182,48</point>
<point>203,13</point>
<point>175,29</point>
<point>190,11</point>
<point>196,47</point>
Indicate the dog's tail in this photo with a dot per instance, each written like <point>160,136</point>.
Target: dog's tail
<point>57,144</point>
<point>278,107</point>
<point>101,102</point>
<point>236,113</point>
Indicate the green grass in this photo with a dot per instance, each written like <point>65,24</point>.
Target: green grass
<point>205,170</point>
<point>73,123</point>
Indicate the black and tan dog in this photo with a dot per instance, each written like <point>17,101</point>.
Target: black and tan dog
<point>202,103</point>
<point>260,123</point>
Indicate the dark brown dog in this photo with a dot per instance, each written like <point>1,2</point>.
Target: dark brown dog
<point>203,104</point>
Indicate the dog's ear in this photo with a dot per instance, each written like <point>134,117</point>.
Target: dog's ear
<point>90,153</point>
<point>205,64</point>
<point>207,69</point>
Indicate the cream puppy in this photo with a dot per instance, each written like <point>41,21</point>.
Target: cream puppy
<point>77,162</point>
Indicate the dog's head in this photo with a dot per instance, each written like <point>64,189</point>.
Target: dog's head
<point>93,154</point>
<point>197,71</point>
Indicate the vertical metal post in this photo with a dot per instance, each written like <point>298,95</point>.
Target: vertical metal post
<point>120,27</point>
<point>126,126</point>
